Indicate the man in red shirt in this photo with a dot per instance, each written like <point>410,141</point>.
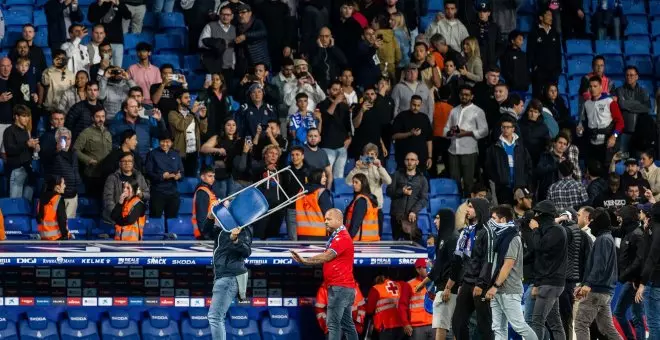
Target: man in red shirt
<point>337,260</point>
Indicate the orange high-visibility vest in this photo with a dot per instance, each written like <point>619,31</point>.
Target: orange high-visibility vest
<point>369,229</point>
<point>321,306</point>
<point>309,217</point>
<point>49,228</point>
<point>212,198</point>
<point>386,315</point>
<point>418,315</point>
<point>131,232</point>
<point>2,227</point>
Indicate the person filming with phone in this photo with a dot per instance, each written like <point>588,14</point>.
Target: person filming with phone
<point>370,166</point>
<point>413,133</point>
<point>114,88</point>
<point>129,214</point>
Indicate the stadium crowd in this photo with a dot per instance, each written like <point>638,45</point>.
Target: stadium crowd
<point>362,95</point>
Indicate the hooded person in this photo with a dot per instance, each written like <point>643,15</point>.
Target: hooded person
<point>475,248</point>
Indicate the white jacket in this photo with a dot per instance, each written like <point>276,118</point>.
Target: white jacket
<point>452,30</point>
<point>78,55</point>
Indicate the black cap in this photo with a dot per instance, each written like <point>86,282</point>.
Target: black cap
<point>483,7</point>
<point>631,161</point>
<point>244,7</point>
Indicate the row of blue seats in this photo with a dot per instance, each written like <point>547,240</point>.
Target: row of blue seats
<point>157,324</point>
<point>20,15</point>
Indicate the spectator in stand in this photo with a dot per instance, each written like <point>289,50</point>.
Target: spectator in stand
<point>544,53</point>
<point>164,168</point>
<point>216,45</point>
<point>19,148</point>
<point>188,123</point>
<point>597,69</point>
<point>489,95</point>
<point>515,69</point>
<point>651,172</point>
<point>398,24</point>
<point>316,157</point>
<point>114,88</point>
<point>305,83</point>
<point>478,191</point>
<point>98,37</point>
<point>389,52</point>
<point>449,26</point>
<point>631,175</point>
<point>473,70</point>
<point>608,20</point>
<point>365,59</point>
<point>111,13</point>
<point>554,105</point>
<point>144,73</point>
<point>165,6</point>
<point>440,46</point>
<point>547,172</point>
<point>370,166</point>
<point>81,114</point>
<point>303,173</point>
<point>327,59</point>
<point>301,121</point>
<point>413,132</point>
<point>313,16</point>
<point>258,74</point>
<point>282,30</point>
<point>76,93</point>
<point>613,197</point>
<point>597,183</point>
<point>513,108</point>
<point>47,139</point>
<point>567,192</point>
<point>488,34</point>
<point>466,125</point>
<point>648,289</point>
<point>64,163</point>
<point>251,40</point>
<point>365,116</point>
<point>97,70</point>
<point>129,214</point>
<point>409,193</point>
<point>215,98</point>
<point>603,119</point>
<point>508,164</point>
<point>92,146</point>
<point>335,127</point>
<point>34,52</point>
<point>60,14</point>
<point>254,113</point>
<point>361,218</point>
<point>271,135</point>
<point>113,187</point>
<point>24,85</point>
<point>56,80</point>
<point>635,106</point>
<point>346,81</point>
<point>409,86</point>
<point>306,224</point>
<point>429,68</point>
<point>137,8</point>
<point>163,94</point>
<point>6,117</point>
<point>534,131</point>
<point>51,215</point>
<point>348,30</point>
<point>223,147</point>
<point>77,53</point>
<point>147,129</point>
<point>128,144</point>
<point>284,78</point>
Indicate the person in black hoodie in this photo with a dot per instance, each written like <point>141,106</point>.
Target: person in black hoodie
<point>649,286</point>
<point>111,14</point>
<point>534,131</point>
<point>544,53</point>
<point>281,27</point>
<point>446,272</point>
<point>514,63</point>
<point>56,12</point>
<point>631,260</point>
<point>600,275</point>
<point>475,247</point>
<point>489,35</point>
<point>550,245</point>
<point>556,105</point>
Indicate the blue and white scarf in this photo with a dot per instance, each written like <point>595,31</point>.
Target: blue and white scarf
<point>332,237</point>
<point>499,229</point>
<point>466,241</point>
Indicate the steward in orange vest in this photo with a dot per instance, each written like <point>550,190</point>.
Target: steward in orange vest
<point>51,212</point>
<point>2,227</point>
<point>382,303</point>
<point>362,218</point>
<point>411,306</point>
<point>203,202</point>
<point>321,306</point>
<point>129,214</point>
<point>311,209</point>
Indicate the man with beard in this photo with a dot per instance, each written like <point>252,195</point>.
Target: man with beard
<point>97,70</point>
<point>163,94</point>
<point>57,79</point>
<point>251,40</point>
<point>305,83</point>
<point>316,157</point>
<point>613,197</point>
<point>365,117</point>
<point>413,133</point>
<point>80,115</point>
<point>335,128</point>
<point>113,89</point>
<point>146,129</point>
<point>484,94</point>
<point>92,146</point>
<point>33,52</point>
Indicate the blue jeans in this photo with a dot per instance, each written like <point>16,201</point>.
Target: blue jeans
<point>163,6</point>
<point>340,316</point>
<point>626,300</point>
<point>18,186</point>
<point>337,159</point>
<point>225,187</point>
<point>225,290</point>
<point>528,308</point>
<point>117,55</point>
<point>652,307</point>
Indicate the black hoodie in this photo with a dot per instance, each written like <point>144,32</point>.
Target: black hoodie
<point>600,271</point>
<point>447,264</point>
<point>478,267</point>
<point>551,246</point>
<point>651,271</point>
<point>633,247</point>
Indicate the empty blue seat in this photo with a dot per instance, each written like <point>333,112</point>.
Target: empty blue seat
<point>119,326</point>
<point>655,29</point>
<point>342,201</point>
<point>196,325</point>
<point>88,207</point>
<point>578,47</point>
<point>131,40</point>
<point>387,204</point>
<point>239,326</point>
<point>436,6</point>
<point>77,326</point>
<point>339,187</point>
<point>41,37</point>
<point>160,59</point>
<point>528,7</point>
<point>15,206</point>
<point>186,206</point>
<point>386,234</point>
<point>192,63</point>
<point>525,23</point>
<point>18,2</point>
<point>159,326</point>
<point>182,227</point>
<point>129,59</point>
<point>195,81</point>
<point>608,47</point>
<point>168,42</point>
<point>443,186</point>
<point>81,227</point>
<point>187,185</point>
<point>154,228</point>
<point>17,17</point>
<point>37,327</point>
<point>40,19</point>
<point>445,201</point>
<point>578,68</point>
<point>574,85</point>
<point>633,7</point>
<point>278,325</point>
<point>614,66</point>
<point>647,84</point>
<point>426,21</point>
<point>149,21</point>
<point>7,327</point>
<point>632,47</point>
<point>11,37</point>
<point>643,63</point>
<point>171,20</point>
<point>562,84</point>
<point>636,26</point>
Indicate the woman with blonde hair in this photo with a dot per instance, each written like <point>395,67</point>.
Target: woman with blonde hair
<point>398,24</point>
<point>473,71</point>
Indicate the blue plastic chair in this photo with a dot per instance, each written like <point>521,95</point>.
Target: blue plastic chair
<point>171,20</point>
<point>192,63</point>
<point>608,47</point>
<point>614,66</point>
<point>15,206</point>
<point>187,185</point>
<point>278,325</point>
<point>167,42</point>
<point>159,326</point>
<point>41,38</point>
<point>240,327</point>
<point>578,47</point>
<point>633,47</point>
<point>339,187</point>
<point>154,229</point>
<point>17,17</point>
<point>578,68</point>
<point>386,234</point>
<point>636,26</point>
<point>436,6</point>
<point>525,23</point>
<point>77,326</point>
<point>633,7</point>
<point>88,207</point>
<point>40,19</point>
<point>195,326</point>
<point>643,63</point>
<point>81,227</point>
<point>38,327</point>
<point>19,2</point>
<point>131,40</point>
<point>196,81</point>
<point>119,326</point>
<point>443,186</point>
<point>182,227</point>
<point>161,59</point>
<point>246,207</point>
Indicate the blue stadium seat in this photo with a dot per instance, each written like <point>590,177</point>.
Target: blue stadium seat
<point>444,201</point>
<point>168,42</point>
<point>37,327</point>
<point>339,187</point>
<point>182,227</point>
<point>426,21</point>
<point>525,23</point>
<point>119,326</point>
<point>159,325</point>
<point>160,59</point>
<point>131,40</point>
<point>18,2</point>
<point>192,63</point>
<point>12,35</point>
<point>187,185</point>
<point>149,22</point>
<point>195,81</point>
<point>647,84</point>
<point>633,47</point>
<point>390,165</point>
<point>436,6</point>
<point>387,204</point>
<point>186,206</point>
<point>637,26</point>
<point>424,225</point>
<point>21,8</point>
<point>40,19</point>
<point>154,228</point>
<point>643,63</point>
<point>41,37</point>
<point>578,47</point>
<point>341,202</point>
<point>654,9</point>
<point>196,325</point>
<point>579,68</point>
<point>386,234</point>
<point>574,86</point>
<point>443,186</point>
<point>88,207</point>
<point>129,59</point>
<point>239,326</point>
<point>18,227</point>
<point>614,66</point>
<point>171,20</point>
<point>655,29</point>
<point>81,227</point>
<point>633,7</point>
<point>244,209</point>
<point>17,17</point>
<point>86,2</point>
<point>608,47</point>
<point>528,7</point>
<point>562,84</point>
<point>278,325</point>
<point>7,327</point>
<point>15,206</point>
<point>77,326</point>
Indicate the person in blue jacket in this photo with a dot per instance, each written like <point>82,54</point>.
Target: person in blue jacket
<point>143,128</point>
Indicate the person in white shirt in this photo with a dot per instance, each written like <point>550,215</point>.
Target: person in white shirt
<point>305,83</point>
<point>466,125</point>
<point>77,53</point>
<point>449,26</point>
<point>98,36</point>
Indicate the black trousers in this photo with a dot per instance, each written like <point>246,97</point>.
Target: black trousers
<point>169,204</point>
<point>269,226</point>
<point>504,195</point>
<point>190,164</point>
<point>465,305</point>
<point>93,186</point>
<point>392,334</point>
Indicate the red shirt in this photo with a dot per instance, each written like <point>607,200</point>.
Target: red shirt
<point>339,271</point>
